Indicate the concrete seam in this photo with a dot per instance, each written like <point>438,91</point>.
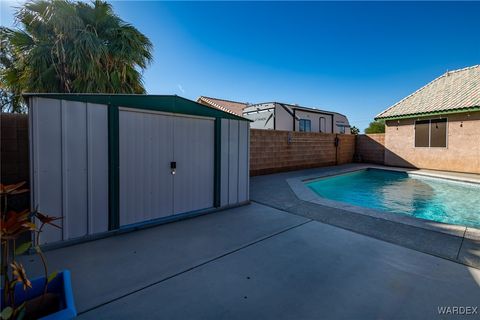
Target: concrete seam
<point>197,266</point>
<point>461,244</point>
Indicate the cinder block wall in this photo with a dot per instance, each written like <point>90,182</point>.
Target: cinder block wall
<point>370,148</point>
<point>14,148</point>
<point>275,151</point>
<point>346,148</point>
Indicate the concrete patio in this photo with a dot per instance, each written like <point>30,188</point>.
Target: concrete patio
<point>458,243</point>
<point>257,262</point>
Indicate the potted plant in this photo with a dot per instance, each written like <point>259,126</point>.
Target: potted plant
<point>47,297</point>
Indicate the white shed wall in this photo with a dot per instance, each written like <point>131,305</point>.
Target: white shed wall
<point>69,161</point>
<point>234,181</point>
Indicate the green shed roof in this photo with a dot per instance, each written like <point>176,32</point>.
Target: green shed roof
<point>164,103</point>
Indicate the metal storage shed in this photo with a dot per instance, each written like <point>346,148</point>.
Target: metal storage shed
<point>112,162</point>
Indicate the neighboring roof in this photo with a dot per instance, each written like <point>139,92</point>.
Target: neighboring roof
<point>454,91</point>
<point>229,106</point>
<point>164,103</point>
<point>290,107</point>
<point>294,106</point>
<point>269,105</point>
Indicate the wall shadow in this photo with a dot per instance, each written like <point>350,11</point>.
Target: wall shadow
<point>370,148</point>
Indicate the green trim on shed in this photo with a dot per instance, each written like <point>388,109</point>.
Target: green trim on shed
<point>426,114</point>
<point>218,163</point>
<point>163,103</point>
<point>113,168</point>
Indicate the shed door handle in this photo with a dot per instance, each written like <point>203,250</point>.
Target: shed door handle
<point>173,166</point>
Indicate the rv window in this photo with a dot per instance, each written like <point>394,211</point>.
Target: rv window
<point>305,125</point>
<point>341,128</point>
<point>322,124</point>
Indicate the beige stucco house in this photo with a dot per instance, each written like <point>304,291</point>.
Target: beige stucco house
<point>437,126</point>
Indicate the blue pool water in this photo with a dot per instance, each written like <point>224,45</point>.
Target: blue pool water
<point>420,197</point>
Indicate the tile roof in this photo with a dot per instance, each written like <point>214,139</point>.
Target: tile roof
<point>233,107</point>
<point>457,90</point>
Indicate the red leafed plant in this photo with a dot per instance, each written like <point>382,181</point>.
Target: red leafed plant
<point>13,225</point>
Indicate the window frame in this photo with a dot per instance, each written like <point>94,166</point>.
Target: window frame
<point>304,121</point>
<point>320,124</point>
<point>415,133</point>
<point>430,132</point>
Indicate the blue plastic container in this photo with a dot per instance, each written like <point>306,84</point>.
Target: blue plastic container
<point>61,285</point>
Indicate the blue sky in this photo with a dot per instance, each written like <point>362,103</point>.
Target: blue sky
<point>356,58</point>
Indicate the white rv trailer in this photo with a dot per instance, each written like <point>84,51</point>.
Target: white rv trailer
<point>282,116</point>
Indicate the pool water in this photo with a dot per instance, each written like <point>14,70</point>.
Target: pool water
<point>416,196</point>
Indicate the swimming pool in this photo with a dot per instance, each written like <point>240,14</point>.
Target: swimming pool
<point>417,196</point>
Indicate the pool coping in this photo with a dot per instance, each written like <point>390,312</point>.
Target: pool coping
<point>298,186</point>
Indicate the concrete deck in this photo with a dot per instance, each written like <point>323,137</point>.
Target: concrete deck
<point>256,262</point>
<point>104,270</point>
<point>456,243</point>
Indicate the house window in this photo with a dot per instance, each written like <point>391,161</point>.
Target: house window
<point>438,133</point>
<point>322,124</point>
<point>305,125</point>
<point>422,136</point>
<point>341,128</point>
<point>431,133</point>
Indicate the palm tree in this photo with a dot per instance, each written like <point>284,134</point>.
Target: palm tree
<point>10,90</point>
<point>72,47</point>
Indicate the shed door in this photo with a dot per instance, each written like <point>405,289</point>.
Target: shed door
<point>146,184</point>
<point>149,143</point>
<point>194,157</point>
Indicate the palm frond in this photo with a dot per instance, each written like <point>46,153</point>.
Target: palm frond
<point>66,46</point>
